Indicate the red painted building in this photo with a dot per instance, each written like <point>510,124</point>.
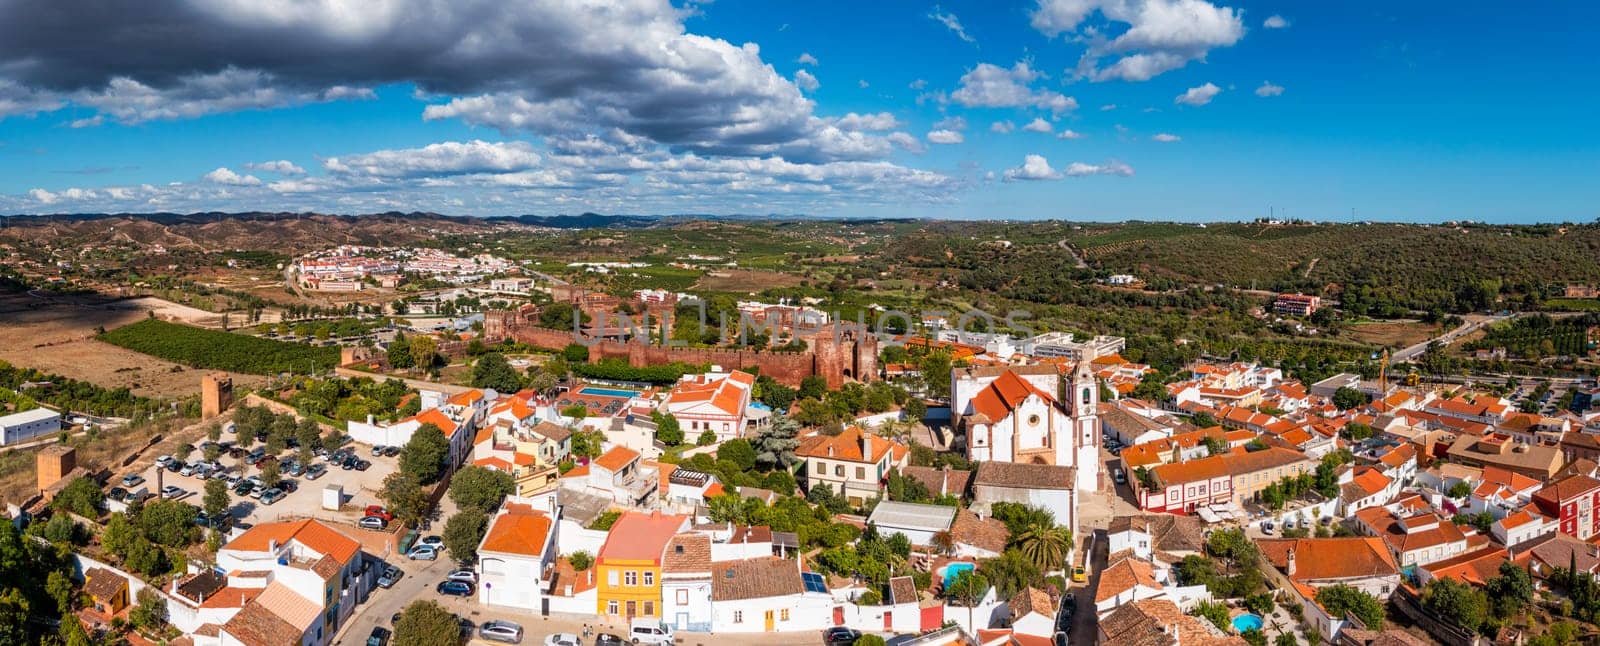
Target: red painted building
<point>1573,500</point>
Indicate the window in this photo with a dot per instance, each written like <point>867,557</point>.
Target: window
<point>630,578</point>
<point>838,470</point>
<point>783,615</point>
<point>683,597</point>
<point>738,616</point>
<point>611,580</point>
<point>649,608</point>
<point>861,473</point>
<point>649,578</point>
<point>611,607</point>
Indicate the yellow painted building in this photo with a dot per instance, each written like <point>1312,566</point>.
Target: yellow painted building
<point>628,568</point>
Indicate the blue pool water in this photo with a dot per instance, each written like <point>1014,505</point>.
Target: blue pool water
<point>1247,621</point>
<point>608,392</point>
<point>953,570</point>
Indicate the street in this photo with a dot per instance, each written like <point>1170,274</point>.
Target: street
<point>1473,323</point>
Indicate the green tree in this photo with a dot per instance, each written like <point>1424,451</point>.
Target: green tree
<point>581,560</point>
<point>73,634</point>
<point>424,455</point>
<point>707,438</point>
<point>424,352</point>
<point>775,444</point>
<point>150,611</point>
<point>464,531</point>
<point>403,495</point>
<point>1010,572</point>
<point>82,496</point>
<point>1203,419</point>
<point>1286,639</point>
<point>426,623</point>
<point>1046,545</point>
<point>480,488</point>
<point>118,534</point>
<point>812,387</point>
<point>1456,602</point>
<point>587,444</point>
<point>399,353</point>
<point>1347,398</point>
<point>59,586</point>
<point>271,473</point>
<point>739,452</point>
<point>1511,591</point>
<point>492,371</point>
<point>868,639</point>
<point>1339,599</point>
<point>968,588</point>
<point>1214,612</point>
<point>668,431</point>
<point>216,499</point>
<point>169,523</point>
<point>214,432</point>
<point>1214,445</point>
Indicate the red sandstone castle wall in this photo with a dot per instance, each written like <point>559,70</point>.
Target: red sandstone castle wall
<point>851,359</point>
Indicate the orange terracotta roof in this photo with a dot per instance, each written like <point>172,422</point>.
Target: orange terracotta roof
<point>1370,481</point>
<point>313,534</point>
<point>617,458</point>
<point>467,398</point>
<point>1124,575</point>
<point>1503,476</point>
<point>1005,394</point>
<point>1331,558</point>
<point>437,418</point>
<point>1475,567</point>
<point>580,471</point>
<point>714,490</point>
<point>230,597</point>
<point>519,530</point>
<point>495,463</point>
<point>846,446</point>
<point>1228,464</point>
<point>638,536</point>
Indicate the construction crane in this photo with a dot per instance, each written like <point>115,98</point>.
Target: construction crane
<point>1383,375</point>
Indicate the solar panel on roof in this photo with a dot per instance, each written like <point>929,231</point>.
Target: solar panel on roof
<point>813,582</point>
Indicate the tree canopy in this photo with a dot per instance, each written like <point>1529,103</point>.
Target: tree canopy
<point>423,457</point>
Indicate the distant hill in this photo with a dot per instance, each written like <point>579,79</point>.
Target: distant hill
<point>223,231</point>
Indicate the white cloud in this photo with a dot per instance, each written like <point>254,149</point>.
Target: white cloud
<point>806,81</point>
<point>950,21</point>
<point>441,159</point>
<point>1036,167</point>
<point>992,86</point>
<point>907,142</point>
<point>223,175</point>
<point>1275,21</point>
<point>951,123</point>
<point>1268,89</point>
<point>862,83</point>
<point>1069,134</point>
<point>88,122</point>
<point>1166,138</point>
<point>918,84</point>
<point>1039,125</point>
<point>1002,127</point>
<point>1108,107</point>
<point>1161,35</point>
<point>878,121</point>
<point>806,59</point>
<point>1198,96</point>
<point>945,137</point>
<point>281,167</point>
<point>42,196</point>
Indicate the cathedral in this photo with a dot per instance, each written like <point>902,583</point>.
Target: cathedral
<point>1028,414</point>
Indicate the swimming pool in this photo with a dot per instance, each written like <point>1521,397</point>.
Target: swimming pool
<point>1246,622</point>
<point>953,570</point>
<point>607,392</point>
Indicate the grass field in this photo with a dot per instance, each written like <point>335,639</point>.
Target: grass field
<point>210,349</point>
<point>1573,304</point>
<point>1393,335</point>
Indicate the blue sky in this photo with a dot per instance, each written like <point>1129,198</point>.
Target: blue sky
<point>1400,111</point>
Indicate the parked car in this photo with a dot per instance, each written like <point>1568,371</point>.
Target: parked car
<point>186,469</point>
<point>422,552</point>
<point>271,496</point>
<point>173,491</point>
<point>165,460</point>
<point>463,575</point>
<point>609,639</point>
<point>132,480</point>
<point>649,631</point>
<point>501,631</point>
<point>434,541</point>
<point>1119,476</point>
<point>379,636</point>
<point>379,511</point>
<point>391,451</point>
<point>377,450</point>
<point>244,488</point>
<point>315,471</point>
<point>363,465</point>
<point>293,468</point>
<point>236,452</point>
<point>1079,574</point>
<point>288,486</point>
<point>455,588</point>
<point>836,636</point>
<point>561,639</point>
<point>390,576</point>
<point>372,522</point>
<point>117,493</point>
<point>258,491</point>
<point>255,455</point>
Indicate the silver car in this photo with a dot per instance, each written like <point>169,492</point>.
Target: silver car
<point>501,631</point>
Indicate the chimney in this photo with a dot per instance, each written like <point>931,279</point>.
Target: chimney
<point>1288,568</point>
<point>866,446</point>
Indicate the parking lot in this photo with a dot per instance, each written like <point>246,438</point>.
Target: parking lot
<point>360,487</point>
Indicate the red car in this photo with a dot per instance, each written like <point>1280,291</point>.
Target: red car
<point>380,512</point>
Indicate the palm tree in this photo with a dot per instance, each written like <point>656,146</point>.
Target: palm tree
<point>944,542</point>
<point>1046,545</point>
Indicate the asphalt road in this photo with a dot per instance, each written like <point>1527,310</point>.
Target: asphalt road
<point>1464,329</point>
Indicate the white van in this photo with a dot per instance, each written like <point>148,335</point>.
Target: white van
<point>649,631</point>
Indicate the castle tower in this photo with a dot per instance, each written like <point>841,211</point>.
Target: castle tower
<point>216,394</point>
<point>54,463</point>
<point>1085,403</point>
